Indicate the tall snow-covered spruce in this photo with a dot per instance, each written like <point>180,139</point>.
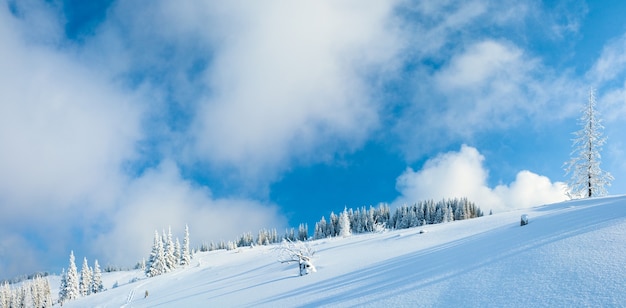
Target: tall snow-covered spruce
<point>86,277</point>
<point>169,249</point>
<point>185,258</point>
<point>586,177</point>
<point>69,282</point>
<point>156,264</point>
<point>344,224</point>
<point>96,284</point>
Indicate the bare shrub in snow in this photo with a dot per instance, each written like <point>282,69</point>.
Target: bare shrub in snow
<point>299,252</point>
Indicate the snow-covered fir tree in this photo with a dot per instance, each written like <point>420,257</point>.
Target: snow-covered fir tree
<point>245,240</point>
<point>185,258</point>
<point>142,264</point>
<point>40,293</point>
<point>96,284</point>
<point>36,295</point>
<point>344,224</point>
<point>320,229</point>
<point>70,282</point>
<point>587,179</point>
<point>47,292</point>
<point>303,232</point>
<point>156,263</point>
<point>18,298</point>
<point>63,287</point>
<point>85,279</point>
<point>177,254</point>
<point>30,293</point>
<point>168,249</point>
<point>290,234</point>
<point>264,237</point>
<point>333,225</point>
<point>73,282</point>
<point>5,294</point>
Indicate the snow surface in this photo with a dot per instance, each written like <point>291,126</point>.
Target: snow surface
<point>570,254</point>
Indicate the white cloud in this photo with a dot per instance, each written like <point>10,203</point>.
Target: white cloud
<point>67,132</point>
<point>494,84</point>
<point>289,82</point>
<point>612,104</point>
<point>162,198</point>
<point>462,174</point>
<point>44,26</point>
<point>474,70</point>
<point>64,130</point>
<point>268,85</point>
<point>607,75</point>
<point>488,84</point>
<point>611,63</point>
<point>268,89</point>
<point>481,64</point>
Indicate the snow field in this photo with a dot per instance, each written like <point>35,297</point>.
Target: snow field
<point>570,254</point>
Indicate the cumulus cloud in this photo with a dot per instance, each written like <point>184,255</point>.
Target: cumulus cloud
<point>253,89</point>
<point>290,83</point>
<point>488,85</point>
<point>462,174</point>
<point>469,79</point>
<point>72,132</point>
<point>480,64</point>
<point>161,198</point>
<point>65,132</point>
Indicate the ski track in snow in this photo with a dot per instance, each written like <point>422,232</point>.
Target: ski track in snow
<point>570,254</point>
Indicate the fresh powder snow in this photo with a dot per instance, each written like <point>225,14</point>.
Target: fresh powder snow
<point>569,254</point>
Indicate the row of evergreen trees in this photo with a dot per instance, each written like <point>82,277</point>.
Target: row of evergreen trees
<point>32,293</point>
<point>361,220</point>
<point>73,286</point>
<point>430,212</point>
<point>264,237</point>
<point>166,254</point>
<point>377,218</point>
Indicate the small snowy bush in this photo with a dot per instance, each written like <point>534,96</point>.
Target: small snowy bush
<point>524,220</point>
<point>299,252</point>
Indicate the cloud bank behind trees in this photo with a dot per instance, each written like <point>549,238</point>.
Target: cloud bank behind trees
<point>462,174</point>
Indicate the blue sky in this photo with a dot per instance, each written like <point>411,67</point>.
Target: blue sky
<point>119,118</point>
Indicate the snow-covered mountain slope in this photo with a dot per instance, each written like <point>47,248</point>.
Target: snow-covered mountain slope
<point>570,254</point>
